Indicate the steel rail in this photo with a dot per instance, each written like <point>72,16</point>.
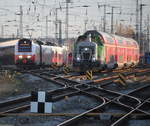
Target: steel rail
<point>125,116</point>
<point>79,90</point>
<point>132,98</point>
<point>72,120</point>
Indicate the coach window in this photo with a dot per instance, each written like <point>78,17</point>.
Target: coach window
<point>110,40</point>
<point>128,43</point>
<point>120,41</point>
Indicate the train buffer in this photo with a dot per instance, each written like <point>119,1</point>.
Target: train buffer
<point>89,74</point>
<point>122,80</point>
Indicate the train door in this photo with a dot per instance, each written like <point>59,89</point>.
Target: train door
<point>121,58</point>
<point>60,56</point>
<point>112,55</point>
<point>55,57</point>
<point>118,54</point>
<point>125,56</point>
<point>133,55</point>
<point>52,56</point>
<point>36,49</point>
<point>106,54</point>
<point>129,56</point>
<point>49,53</point>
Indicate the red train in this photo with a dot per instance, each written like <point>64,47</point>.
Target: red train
<point>28,52</point>
<point>97,50</point>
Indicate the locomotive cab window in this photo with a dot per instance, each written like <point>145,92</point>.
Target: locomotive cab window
<point>86,49</point>
<point>24,45</point>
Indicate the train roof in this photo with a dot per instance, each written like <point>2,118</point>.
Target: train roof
<point>110,38</point>
<point>8,43</point>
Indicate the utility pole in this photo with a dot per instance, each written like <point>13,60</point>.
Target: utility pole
<point>85,21</point>
<point>85,24</point>
<point>112,20</point>
<point>2,31</point>
<point>67,18</point>
<point>148,26</point>
<point>21,23</point>
<point>46,28</point>
<point>60,32</point>
<point>17,33</point>
<point>104,19</point>
<point>137,20</point>
<point>56,26</point>
<point>104,25</point>
<point>141,33</point>
<point>140,43</point>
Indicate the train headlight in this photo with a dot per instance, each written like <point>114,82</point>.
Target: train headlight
<point>94,59</point>
<point>20,57</point>
<point>78,58</point>
<point>28,57</point>
<point>86,49</point>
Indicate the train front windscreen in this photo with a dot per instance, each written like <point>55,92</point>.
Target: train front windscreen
<point>24,45</point>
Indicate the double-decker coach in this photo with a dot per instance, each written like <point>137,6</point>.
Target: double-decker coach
<point>100,50</point>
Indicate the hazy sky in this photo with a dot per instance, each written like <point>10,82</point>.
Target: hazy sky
<point>35,12</point>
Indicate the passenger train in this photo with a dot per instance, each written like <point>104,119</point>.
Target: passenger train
<point>7,52</point>
<point>98,50</point>
<point>28,52</point>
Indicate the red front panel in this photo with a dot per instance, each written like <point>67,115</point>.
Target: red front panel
<point>24,58</point>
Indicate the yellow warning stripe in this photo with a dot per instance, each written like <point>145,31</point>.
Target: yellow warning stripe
<point>66,69</point>
<point>122,78</point>
<point>89,75</point>
<point>122,82</point>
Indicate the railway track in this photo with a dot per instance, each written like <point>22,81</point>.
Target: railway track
<point>114,104</point>
<point>129,102</point>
